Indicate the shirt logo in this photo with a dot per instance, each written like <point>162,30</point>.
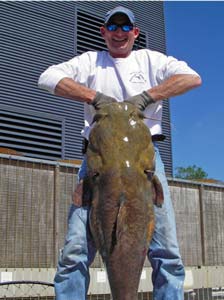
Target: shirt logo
<point>137,77</point>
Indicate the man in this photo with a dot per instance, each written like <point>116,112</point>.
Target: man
<point>144,78</point>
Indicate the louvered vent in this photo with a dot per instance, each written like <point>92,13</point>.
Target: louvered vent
<point>88,34</point>
<point>37,136</point>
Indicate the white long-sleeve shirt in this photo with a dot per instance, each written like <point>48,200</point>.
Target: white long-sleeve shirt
<point>120,78</point>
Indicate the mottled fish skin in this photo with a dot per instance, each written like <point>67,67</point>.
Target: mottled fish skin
<point>120,160</point>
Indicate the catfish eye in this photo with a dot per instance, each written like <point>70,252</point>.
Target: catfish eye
<point>98,116</point>
<point>149,174</point>
<point>95,175</point>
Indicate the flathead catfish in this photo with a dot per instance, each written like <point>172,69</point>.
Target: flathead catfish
<point>123,187</point>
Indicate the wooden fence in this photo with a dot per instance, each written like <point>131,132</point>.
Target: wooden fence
<point>34,200</point>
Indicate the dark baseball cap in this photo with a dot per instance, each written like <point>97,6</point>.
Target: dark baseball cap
<point>120,10</point>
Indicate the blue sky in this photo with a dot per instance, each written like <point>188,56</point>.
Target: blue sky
<point>195,33</point>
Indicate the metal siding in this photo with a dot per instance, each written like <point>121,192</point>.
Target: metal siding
<point>36,35</point>
<point>165,147</point>
<point>30,133</point>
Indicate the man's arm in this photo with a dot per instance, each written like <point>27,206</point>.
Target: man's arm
<point>68,88</point>
<point>174,86</point>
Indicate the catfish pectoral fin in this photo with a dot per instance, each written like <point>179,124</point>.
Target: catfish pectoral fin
<point>157,189</point>
<point>158,198</point>
<point>87,193</point>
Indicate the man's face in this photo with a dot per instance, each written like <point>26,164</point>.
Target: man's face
<point>119,43</point>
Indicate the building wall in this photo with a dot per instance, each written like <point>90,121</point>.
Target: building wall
<point>37,34</point>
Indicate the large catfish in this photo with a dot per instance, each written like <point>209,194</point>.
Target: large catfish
<point>123,188</point>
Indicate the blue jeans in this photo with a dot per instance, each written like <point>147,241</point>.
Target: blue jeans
<point>72,277</point>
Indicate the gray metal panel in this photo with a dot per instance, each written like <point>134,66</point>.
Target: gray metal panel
<point>35,35</point>
<point>30,133</point>
<point>165,147</point>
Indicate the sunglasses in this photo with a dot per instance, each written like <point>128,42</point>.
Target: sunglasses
<point>114,27</point>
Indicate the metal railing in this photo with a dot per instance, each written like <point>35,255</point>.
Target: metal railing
<point>34,290</point>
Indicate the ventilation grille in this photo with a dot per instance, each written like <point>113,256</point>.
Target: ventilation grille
<point>32,135</point>
<point>88,34</point>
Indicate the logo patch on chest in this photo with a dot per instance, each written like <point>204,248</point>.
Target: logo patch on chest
<point>137,77</point>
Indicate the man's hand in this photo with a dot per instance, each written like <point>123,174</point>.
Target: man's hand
<point>100,100</point>
<point>141,101</point>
